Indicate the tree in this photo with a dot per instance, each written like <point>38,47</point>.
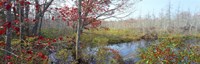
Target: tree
<point>78,30</point>
<point>89,14</point>
<point>39,14</point>
<point>93,11</point>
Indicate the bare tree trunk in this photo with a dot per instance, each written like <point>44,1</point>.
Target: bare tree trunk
<point>35,28</point>
<point>21,18</point>
<point>26,16</point>
<point>169,18</point>
<point>78,31</point>
<point>41,20</point>
<point>8,31</point>
<point>40,26</point>
<point>38,15</point>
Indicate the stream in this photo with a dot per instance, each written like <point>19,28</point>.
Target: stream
<point>129,51</point>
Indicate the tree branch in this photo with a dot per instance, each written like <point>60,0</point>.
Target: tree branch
<point>9,52</point>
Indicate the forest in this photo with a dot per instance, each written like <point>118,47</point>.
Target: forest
<point>96,32</point>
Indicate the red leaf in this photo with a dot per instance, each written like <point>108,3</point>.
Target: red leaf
<point>41,38</point>
<point>49,43</point>
<point>34,20</point>
<point>22,2</point>
<point>26,19</point>
<point>1,4</point>
<point>60,38</point>
<point>29,58</point>
<point>16,21</point>
<point>14,9</point>
<point>2,31</point>
<point>40,54</point>
<point>27,2</point>
<point>54,40</point>
<point>16,29</point>
<point>63,19</point>
<point>44,57</point>
<point>7,24</point>
<point>53,18</point>
<point>58,17</point>
<point>8,7</point>
<point>37,7</point>
<point>30,52</point>
<point>8,57</point>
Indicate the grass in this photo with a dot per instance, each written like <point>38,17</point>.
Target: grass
<point>113,36</point>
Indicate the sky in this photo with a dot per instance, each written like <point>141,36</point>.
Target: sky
<point>145,7</point>
<point>155,6</point>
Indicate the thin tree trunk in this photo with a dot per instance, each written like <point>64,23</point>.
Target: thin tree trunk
<point>38,15</point>
<point>21,18</point>
<point>41,21</point>
<point>8,31</point>
<point>26,16</point>
<point>78,31</point>
<point>40,26</point>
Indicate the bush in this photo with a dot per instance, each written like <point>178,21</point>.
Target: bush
<point>171,50</point>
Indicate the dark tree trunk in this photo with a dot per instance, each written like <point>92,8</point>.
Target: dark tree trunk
<point>40,26</point>
<point>39,13</point>
<point>35,28</point>
<point>27,8</point>
<point>37,16</point>
<point>21,18</point>
<point>8,31</point>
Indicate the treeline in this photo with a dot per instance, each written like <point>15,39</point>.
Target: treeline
<point>181,22</point>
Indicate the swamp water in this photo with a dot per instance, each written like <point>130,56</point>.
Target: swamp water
<point>128,51</point>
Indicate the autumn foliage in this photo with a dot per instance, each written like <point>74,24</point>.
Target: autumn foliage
<point>92,11</point>
<point>35,48</point>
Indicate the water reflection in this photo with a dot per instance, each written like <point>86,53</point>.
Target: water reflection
<point>129,51</point>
